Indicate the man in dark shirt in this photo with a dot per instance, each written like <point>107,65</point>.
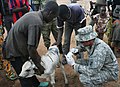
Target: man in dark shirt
<point>73,16</point>
<point>23,40</point>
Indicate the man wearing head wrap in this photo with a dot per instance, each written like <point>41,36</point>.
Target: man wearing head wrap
<point>101,65</point>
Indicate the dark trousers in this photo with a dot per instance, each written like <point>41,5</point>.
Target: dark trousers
<point>25,82</point>
<point>68,32</point>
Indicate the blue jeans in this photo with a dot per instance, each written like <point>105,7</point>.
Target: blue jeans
<point>25,82</point>
<point>67,35</point>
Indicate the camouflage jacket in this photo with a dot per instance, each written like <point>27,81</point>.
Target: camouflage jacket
<point>100,58</point>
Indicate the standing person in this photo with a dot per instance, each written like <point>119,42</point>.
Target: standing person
<point>7,15</point>
<point>115,33</point>
<point>73,16</point>
<point>35,4</point>
<point>1,39</point>
<point>18,8</point>
<point>48,28</point>
<point>46,31</point>
<point>101,21</point>
<point>6,18</point>
<point>101,65</point>
<point>109,28</point>
<point>96,9</point>
<point>23,40</point>
<point>113,4</point>
<point>98,5</point>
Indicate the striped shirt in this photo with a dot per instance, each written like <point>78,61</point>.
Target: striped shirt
<point>18,4</point>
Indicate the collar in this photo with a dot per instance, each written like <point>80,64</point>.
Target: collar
<point>96,42</point>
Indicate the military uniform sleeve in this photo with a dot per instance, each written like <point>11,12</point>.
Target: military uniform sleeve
<point>95,63</point>
<point>34,35</point>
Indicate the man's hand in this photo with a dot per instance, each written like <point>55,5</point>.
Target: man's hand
<point>41,69</point>
<point>36,58</point>
<point>38,65</point>
<point>70,59</point>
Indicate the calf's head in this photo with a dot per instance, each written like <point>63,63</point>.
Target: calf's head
<point>28,69</point>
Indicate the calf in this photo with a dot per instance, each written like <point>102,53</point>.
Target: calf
<point>49,61</point>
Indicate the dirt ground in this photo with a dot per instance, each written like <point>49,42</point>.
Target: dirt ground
<point>71,75</point>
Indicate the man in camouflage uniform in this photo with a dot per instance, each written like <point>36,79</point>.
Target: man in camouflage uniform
<point>48,28</point>
<point>101,65</point>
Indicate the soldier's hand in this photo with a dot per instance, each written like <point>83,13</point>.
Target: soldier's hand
<point>70,59</point>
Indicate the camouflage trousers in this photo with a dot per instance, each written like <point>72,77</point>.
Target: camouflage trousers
<point>46,31</point>
<point>96,80</point>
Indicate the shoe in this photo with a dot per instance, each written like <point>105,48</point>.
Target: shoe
<point>12,76</point>
<point>64,61</point>
<point>44,84</point>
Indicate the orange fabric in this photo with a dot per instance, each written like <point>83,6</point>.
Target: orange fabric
<point>4,63</point>
<point>116,21</point>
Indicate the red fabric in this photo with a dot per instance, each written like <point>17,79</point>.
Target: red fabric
<point>0,19</point>
<point>13,5</point>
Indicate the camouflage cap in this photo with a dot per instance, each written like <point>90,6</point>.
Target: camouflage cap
<point>85,34</point>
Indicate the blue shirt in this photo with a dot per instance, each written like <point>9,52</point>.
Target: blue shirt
<point>77,14</point>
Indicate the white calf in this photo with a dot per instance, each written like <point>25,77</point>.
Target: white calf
<point>49,61</point>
